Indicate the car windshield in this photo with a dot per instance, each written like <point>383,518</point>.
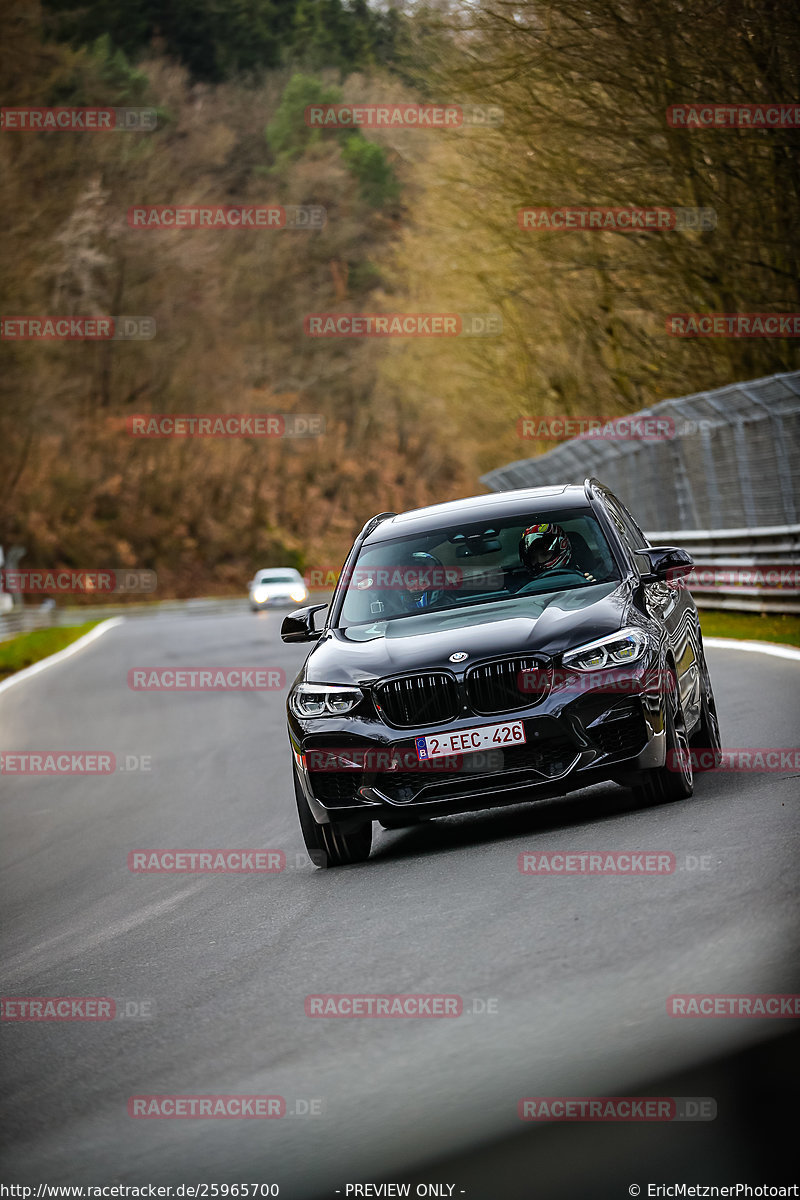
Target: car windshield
<point>279,579</point>
<point>477,564</point>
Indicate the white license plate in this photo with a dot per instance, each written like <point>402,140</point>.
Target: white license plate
<point>469,741</point>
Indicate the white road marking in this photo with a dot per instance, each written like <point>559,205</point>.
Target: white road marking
<point>774,648</point>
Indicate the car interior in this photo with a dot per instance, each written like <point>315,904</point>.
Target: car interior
<point>481,564</point>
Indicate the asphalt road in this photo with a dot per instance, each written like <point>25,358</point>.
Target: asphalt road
<point>578,969</point>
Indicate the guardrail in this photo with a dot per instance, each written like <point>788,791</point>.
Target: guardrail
<point>748,570</point>
<point>25,619</point>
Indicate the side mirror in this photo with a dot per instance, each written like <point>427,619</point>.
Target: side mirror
<point>299,625</point>
<point>666,564</point>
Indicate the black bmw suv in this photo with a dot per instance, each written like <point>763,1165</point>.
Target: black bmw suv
<point>490,651</point>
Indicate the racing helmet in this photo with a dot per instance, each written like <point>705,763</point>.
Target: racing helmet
<point>544,547</point>
<point>423,579</point>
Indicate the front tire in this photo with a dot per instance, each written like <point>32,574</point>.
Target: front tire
<point>706,742</point>
<point>329,845</point>
<point>675,780</point>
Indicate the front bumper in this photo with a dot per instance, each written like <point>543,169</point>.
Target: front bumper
<point>571,742</point>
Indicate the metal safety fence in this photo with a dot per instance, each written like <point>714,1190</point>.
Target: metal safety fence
<point>725,486</point>
<point>731,464</point>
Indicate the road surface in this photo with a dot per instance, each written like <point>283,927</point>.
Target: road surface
<point>564,979</point>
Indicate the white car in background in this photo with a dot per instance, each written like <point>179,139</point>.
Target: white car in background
<point>277,585</point>
<point>6,599</point>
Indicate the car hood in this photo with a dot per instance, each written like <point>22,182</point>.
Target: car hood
<point>545,624</point>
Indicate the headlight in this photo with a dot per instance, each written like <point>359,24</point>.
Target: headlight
<point>323,700</point>
<point>260,593</point>
<point>299,595</point>
<point>616,650</point>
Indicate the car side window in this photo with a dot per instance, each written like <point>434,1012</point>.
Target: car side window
<point>628,530</point>
<point>619,524</point>
<point>641,540</point>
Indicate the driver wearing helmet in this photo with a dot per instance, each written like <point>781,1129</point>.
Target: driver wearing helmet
<point>423,581</point>
<point>546,547</point>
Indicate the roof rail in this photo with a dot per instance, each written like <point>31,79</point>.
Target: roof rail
<point>373,522</point>
<point>589,485</point>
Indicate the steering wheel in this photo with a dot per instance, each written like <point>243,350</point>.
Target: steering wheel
<point>546,576</point>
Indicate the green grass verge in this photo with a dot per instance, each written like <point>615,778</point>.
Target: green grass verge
<point>759,627</point>
<point>27,648</point>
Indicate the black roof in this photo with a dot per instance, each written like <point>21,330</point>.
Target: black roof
<point>491,507</point>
